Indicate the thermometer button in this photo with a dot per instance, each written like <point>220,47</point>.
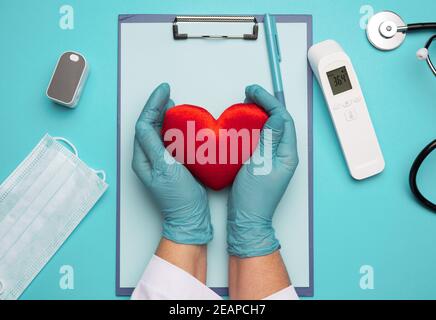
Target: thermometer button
<point>350,115</point>
<point>348,103</point>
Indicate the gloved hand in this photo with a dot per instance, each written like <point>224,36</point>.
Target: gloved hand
<point>181,199</point>
<point>257,189</point>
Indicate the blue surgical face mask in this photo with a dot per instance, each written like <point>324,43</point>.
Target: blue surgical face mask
<point>41,203</point>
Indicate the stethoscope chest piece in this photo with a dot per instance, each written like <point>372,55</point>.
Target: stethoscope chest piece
<point>383,30</point>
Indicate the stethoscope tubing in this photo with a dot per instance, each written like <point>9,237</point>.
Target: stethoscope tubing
<point>414,172</point>
<point>427,44</point>
<point>429,62</point>
<point>420,26</point>
<point>431,146</point>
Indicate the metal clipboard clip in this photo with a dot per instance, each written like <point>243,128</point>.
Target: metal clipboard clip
<point>243,19</point>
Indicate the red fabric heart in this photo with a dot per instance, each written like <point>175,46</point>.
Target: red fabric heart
<point>215,167</point>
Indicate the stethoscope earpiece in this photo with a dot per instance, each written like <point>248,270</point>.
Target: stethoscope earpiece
<point>422,54</point>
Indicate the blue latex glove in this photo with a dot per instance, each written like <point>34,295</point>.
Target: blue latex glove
<point>254,197</point>
<point>181,199</point>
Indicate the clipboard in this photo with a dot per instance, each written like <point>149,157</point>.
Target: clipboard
<point>210,66</point>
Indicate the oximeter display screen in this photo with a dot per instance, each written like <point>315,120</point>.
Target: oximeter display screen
<point>339,80</point>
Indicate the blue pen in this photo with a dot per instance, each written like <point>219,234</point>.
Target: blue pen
<point>272,43</point>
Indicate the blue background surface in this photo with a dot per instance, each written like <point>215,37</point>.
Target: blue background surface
<point>374,222</point>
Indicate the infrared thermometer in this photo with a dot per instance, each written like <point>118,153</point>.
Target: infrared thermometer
<point>346,103</point>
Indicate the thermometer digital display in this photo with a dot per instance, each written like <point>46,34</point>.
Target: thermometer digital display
<point>339,80</point>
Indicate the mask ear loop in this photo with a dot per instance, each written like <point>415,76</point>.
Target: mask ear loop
<point>68,143</point>
<point>100,173</point>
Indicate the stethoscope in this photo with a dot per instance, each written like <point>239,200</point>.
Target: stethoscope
<point>414,172</point>
<point>386,31</point>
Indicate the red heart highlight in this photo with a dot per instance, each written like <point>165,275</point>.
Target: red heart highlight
<point>213,150</point>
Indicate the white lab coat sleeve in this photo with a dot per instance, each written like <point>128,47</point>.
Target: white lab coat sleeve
<point>288,293</point>
<point>162,280</point>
